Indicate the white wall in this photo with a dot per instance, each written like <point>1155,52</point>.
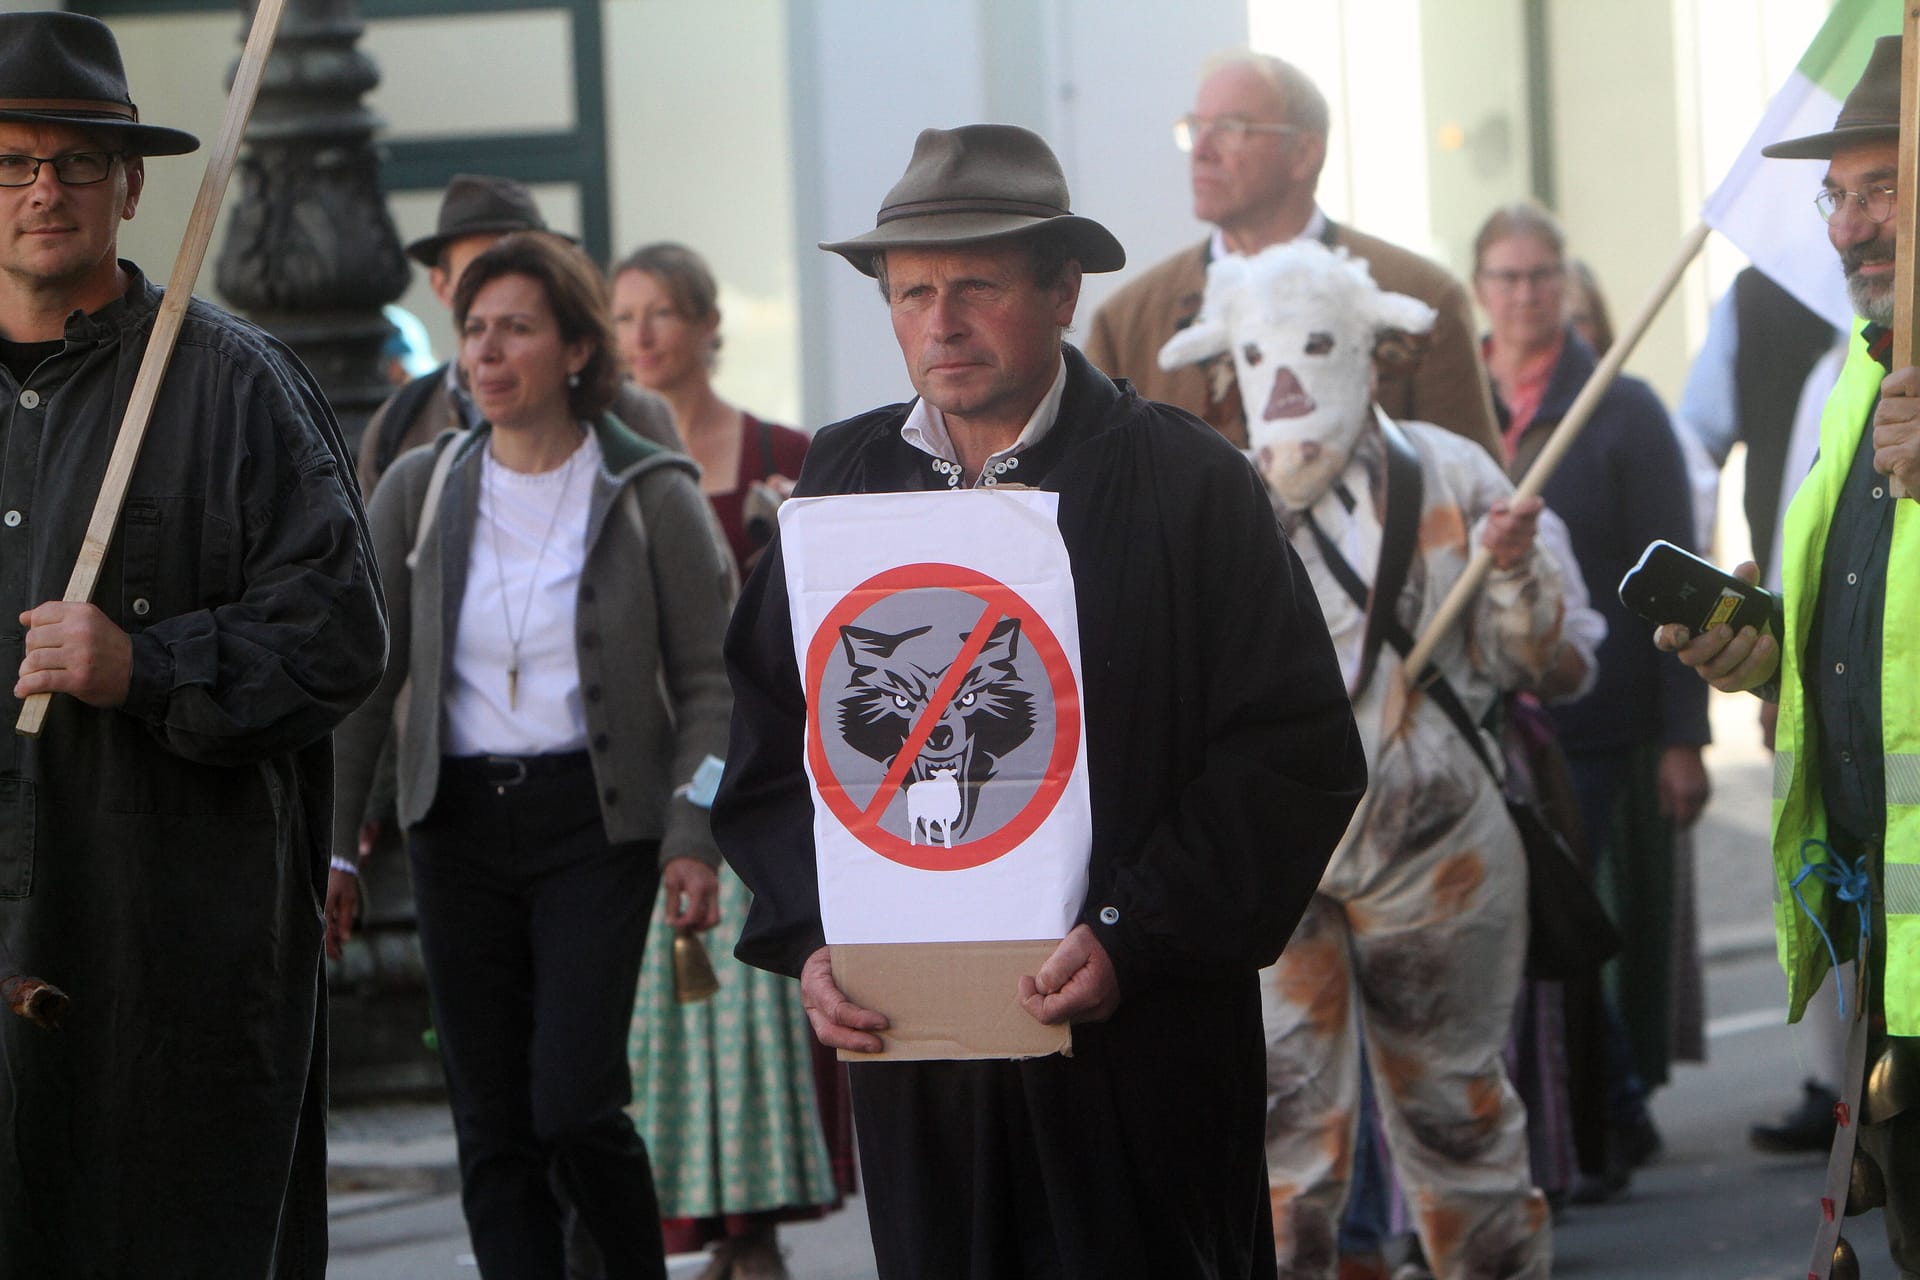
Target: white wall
<point>1101,82</point>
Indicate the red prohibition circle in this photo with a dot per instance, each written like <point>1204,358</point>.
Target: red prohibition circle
<point>1066,717</point>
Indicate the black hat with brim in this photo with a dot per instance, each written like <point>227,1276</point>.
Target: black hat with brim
<point>64,69</point>
<point>974,185</point>
<point>478,204</point>
<point>1871,112</point>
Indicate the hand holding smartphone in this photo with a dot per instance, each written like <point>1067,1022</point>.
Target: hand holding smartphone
<point>1671,585</point>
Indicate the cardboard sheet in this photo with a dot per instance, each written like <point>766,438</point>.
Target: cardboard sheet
<point>949,999</point>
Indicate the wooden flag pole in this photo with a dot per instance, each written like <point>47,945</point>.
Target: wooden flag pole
<point>1906,213</point>
<point>1556,447</point>
<point>166,328</point>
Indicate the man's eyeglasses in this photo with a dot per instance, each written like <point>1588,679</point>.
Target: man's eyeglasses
<point>74,169</point>
<point>1539,278</point>
<point>1229,132</point>
<point>1875,202</point>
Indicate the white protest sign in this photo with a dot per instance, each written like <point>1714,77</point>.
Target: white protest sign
<point>939,649</point>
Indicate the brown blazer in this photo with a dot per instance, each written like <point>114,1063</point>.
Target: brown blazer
<point>1447,385</point>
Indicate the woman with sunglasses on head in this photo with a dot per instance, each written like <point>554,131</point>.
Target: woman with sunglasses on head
<point>725,1090</point>
<point>557,601</point>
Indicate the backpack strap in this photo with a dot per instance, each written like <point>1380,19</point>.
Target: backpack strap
<point>405,406</point>
<point>436,484</point>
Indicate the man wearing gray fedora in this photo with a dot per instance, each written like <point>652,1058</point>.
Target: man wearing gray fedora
<point>163,842</point>
<point>1844,668</point>
<point>476,211</point>
<point>1222,759</point>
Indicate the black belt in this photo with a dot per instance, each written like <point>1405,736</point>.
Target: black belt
<point>501,772</point>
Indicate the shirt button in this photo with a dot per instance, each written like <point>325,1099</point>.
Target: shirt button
<point>141,608</point>
<point>1853,579</point>
<point>612,795</point>
<point>29,399</point>
<point>12,518</point>
<point>1839,668</point>
<point>1109,915</point>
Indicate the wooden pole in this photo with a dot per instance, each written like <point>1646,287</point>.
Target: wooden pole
<point>166,328</point>
<point>1556,447</point>
<point>1906,213</point>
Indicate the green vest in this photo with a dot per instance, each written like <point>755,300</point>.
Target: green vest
<point>1798,812</point>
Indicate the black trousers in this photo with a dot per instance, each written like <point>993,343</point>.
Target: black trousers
<point>532,927</point>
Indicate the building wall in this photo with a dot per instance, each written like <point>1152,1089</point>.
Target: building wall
<point>752,129</point>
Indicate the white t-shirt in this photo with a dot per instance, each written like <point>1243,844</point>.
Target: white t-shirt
<point>529,546</point>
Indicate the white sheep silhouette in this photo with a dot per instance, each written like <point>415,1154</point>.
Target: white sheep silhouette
<point>934,801</point>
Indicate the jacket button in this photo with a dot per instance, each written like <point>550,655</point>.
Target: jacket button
<point>586,593</point>
<point>589,639</point>
<point>1109,915</point>
<point>141,608</point>
<point>599,742</point>
<point>612,795</point>
<point>29,399</point>
<point>12,518</point>
<point>593,692</point>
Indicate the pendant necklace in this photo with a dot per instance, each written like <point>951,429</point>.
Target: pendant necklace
<point>515,636</point>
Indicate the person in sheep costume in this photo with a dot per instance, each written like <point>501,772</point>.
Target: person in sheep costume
<point>1418,934</point>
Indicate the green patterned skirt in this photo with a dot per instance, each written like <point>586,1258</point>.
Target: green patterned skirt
<point>723,1090</point>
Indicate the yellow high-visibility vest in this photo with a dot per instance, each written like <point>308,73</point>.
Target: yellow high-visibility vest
<point>1798,810</point>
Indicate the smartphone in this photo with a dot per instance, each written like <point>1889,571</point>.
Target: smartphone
<point>1671,585</point>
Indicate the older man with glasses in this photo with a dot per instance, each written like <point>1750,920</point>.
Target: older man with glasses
<point>1257,137</point>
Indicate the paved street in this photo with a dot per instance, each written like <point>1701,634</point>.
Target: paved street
<point>1710,1208</point>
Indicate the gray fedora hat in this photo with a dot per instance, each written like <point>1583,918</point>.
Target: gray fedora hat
<point>478,205</point>
<point>977,183</point>
<point>1871,112</point>
<point>65,69</point>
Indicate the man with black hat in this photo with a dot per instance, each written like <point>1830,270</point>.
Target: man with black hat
<point>163,843</point>
<point>476,211</point>
<point>1846,673</point>
<point>1222,758</point>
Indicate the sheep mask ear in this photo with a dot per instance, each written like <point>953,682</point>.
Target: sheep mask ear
<point>1211,332</point>
<point>1200,341</point>
<point>1398,311</point>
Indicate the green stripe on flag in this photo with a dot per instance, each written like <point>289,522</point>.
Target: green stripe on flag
<point>1839,53</point>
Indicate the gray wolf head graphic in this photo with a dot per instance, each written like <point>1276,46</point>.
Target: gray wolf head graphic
<point>893,677</point>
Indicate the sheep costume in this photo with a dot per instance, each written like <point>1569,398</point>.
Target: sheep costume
<point>1417,937</point>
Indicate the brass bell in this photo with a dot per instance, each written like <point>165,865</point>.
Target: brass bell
<point>1892,1083</point>
<point>693,976</point>
<point>1866,1185</point>
<point>1845,1265</point>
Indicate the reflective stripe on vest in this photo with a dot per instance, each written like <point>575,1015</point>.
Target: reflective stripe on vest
<point>1798,813</point>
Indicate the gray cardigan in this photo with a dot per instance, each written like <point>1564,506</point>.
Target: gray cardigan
<point>649,618</point>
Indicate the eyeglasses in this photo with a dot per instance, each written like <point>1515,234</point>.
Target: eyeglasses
<point>1229,132</point>
<point>74,169</point>
<point>1539,278</point>
<point>1875,202</point>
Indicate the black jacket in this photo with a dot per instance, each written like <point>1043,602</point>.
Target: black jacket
<point>165,862</point>
<point>1223,765</point>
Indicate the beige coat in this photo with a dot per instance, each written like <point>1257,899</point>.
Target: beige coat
<point>1446,386</point>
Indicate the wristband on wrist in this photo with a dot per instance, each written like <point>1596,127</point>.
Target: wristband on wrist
<point>344,864</point>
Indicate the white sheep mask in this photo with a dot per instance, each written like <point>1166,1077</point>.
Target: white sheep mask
<point>1301,321</point>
